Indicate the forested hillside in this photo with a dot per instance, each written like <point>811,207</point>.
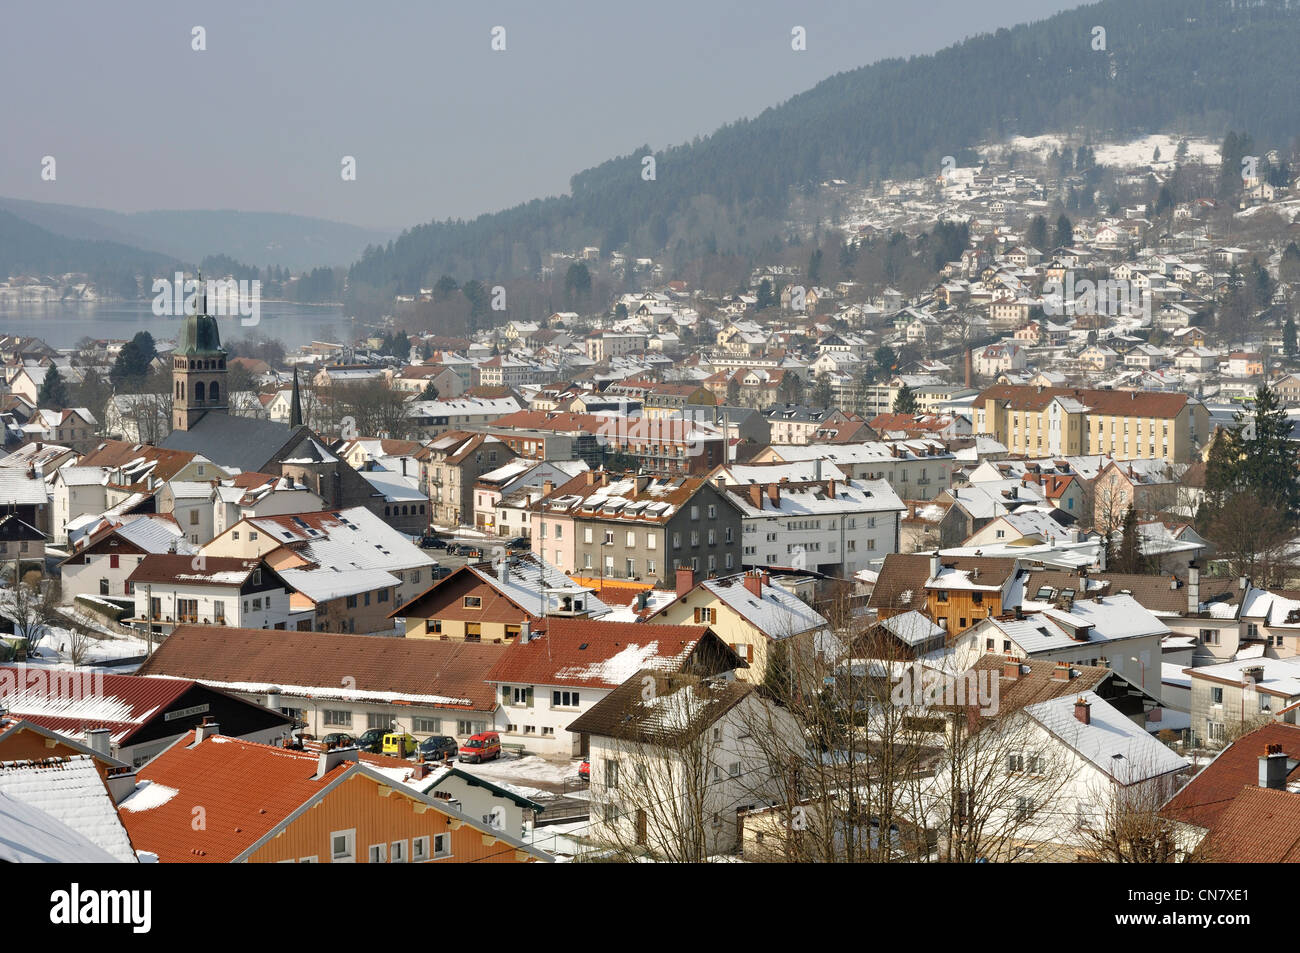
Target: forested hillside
<point>1195,66</point>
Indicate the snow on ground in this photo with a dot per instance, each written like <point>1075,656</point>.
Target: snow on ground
<point>1131,154</point>
<point>529,768</point>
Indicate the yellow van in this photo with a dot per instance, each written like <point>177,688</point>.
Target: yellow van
<point>399,744</point>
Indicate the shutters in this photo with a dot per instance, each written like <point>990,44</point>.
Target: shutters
<point>505,694</point>
<point>530,696</point>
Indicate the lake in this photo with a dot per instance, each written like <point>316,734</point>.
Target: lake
<point>63,325</point>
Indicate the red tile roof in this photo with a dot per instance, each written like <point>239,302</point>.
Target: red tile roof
<point>1208,795</point>
<point>595,654</point>
<point>1259,826</point>
<point>72,702</point>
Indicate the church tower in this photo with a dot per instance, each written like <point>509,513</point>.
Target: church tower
<point>198,368</point>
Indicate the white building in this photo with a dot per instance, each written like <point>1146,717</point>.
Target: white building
<point>832,526</point>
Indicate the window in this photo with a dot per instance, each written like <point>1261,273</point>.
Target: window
<point>473,602</point>
<point>433,627</point>
<point>442,845</point>
<point>564,699</point>
<point>519,696</point>
<point>194,518</point>
<point>611,775</point>
<point>1210,636</point>
<point>420,849</point>
<point>341,846</point>
<point>397,852</point>
<point>705,615</point>
<point>473,632</point>
<point>335,718</point>
<point>1216,695</point>
<point>377,853</point>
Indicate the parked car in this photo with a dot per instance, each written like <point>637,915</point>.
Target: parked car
<point>519,542</point>
<point>339,739</point>
<point>372,740</point>
<point>439,747</point>
<point>483,746</point>
<point>399,744</point>
<point>432,542</point>
<point>584,771</point>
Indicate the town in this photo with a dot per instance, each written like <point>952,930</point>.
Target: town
<point>905,551</point>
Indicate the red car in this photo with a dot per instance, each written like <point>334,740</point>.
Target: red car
<point>484,746</point>
<point>584,771</point>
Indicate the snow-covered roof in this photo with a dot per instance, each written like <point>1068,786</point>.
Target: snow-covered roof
<point>1111,741</point>
<point>70,791</point>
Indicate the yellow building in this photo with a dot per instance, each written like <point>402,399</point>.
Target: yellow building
<point>1127,425</point>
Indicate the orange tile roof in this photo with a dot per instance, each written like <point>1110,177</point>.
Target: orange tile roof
<point>245,790</point>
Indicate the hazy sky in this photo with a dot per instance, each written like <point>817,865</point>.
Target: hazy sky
<point>440,124</point>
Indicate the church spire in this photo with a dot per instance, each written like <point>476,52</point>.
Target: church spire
<point>295,403</point>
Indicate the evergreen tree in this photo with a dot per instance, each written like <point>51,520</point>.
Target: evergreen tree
<point>1036,235</point>
<point>1127,558</point>
<point>132,364</point>
<point>1288,337</point>
<point>823,393</point>
<point>429,393</point>
<point>766,296</point>
<point>1064,231</point>
<point>905,402</point>
<point>815,267</point>
<point>1257,456</point>
<point>54,392</point>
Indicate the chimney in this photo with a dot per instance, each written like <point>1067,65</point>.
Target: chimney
<point>1273,768</point>
<point>420,771</point>
<point>1254,674</point>
<point>685,580</point>
<point>754,583</point>
<point>830,489</point>
<point>1082,711</point>
<point>774,494</point>
<point>207,729</point>
<point>525,631</point>
<point>1242,583</point>
<point>548,487</point>
<point>817,469</point>
<point>1011,667</point>
<point>642,600</point>
<point>329,760</point>
<point>120,785</point>
<point>755,496</point>
<point>503,571</point>
<point>98,740</point>
<point>934,564</point>
<point>1061,673</point>
<point>1193,588</point>
<point>590,476</point>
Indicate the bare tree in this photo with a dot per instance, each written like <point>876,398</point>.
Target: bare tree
<point>30,605</point>
<point>1255,539</point>
<point>1128,828</point>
